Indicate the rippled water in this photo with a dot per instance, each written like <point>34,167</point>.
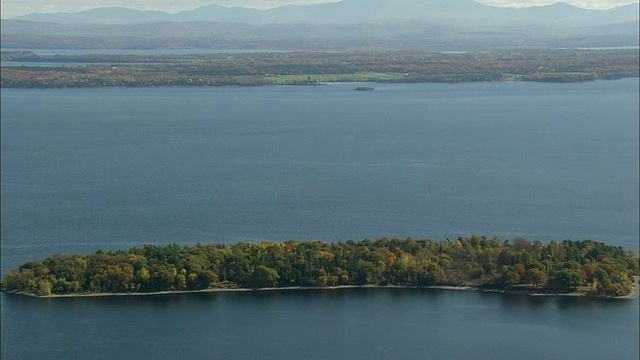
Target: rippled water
<point>110,169</point>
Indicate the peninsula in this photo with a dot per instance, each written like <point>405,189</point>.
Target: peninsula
<point>570,267</point>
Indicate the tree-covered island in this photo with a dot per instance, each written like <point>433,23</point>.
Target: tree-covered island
<point>311,68</point>
<point>584,267</point>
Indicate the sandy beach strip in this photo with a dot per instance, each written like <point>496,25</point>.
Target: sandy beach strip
<point>633,295</point>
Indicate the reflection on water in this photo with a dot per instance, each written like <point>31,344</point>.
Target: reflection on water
<point>348,323</point>
<point>357,323</point>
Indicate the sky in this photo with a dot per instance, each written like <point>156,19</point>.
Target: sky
<point>11,8</point>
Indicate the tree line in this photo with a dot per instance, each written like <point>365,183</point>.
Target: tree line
<point>587,266</point>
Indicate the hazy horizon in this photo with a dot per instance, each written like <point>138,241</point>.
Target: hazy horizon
<point>14,8</point>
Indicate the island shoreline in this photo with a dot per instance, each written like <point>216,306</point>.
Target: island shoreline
<point>401,264</point>
<point>631,296</point>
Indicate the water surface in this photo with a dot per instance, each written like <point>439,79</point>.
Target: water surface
<point>344,324</point>
<point>89,169</point>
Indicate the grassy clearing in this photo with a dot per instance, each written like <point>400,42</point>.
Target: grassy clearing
<point>356,77</point>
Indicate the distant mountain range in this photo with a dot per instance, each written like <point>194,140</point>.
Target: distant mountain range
<point>454,12</point>
<point>349,24</point>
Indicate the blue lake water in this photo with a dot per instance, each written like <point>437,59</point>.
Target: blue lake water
<point>346,324</point>
<point>89,169</point>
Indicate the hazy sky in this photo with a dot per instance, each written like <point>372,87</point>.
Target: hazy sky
<point>12,8</point>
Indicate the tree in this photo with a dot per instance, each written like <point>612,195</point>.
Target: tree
<point>44,288</point>
<point>264,276</point>
<point>567,280</point>
<point>537,277</point>
<point>521,243</point>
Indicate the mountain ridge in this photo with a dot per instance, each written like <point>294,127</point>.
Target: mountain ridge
<point>353,11</point>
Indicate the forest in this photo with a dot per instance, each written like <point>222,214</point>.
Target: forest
<point>311,68</point>
<point>588,267</point>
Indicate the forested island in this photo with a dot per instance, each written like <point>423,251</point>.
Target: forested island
<point>312,68</point>
<point>579,267</point>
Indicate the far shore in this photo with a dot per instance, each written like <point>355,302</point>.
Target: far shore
<point>633,295</point>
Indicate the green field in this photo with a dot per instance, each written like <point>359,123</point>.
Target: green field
<point>320,78</point>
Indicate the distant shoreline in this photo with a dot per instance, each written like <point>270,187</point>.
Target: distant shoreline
<point>314,68</point>
<point>633,295</point>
